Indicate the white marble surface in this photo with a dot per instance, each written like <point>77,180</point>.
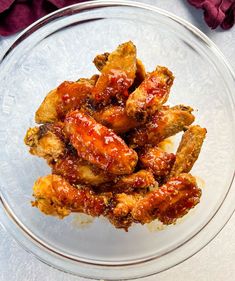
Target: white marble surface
<point>214,263</point>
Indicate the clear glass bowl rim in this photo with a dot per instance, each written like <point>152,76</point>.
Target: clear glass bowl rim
<point>27,239</point>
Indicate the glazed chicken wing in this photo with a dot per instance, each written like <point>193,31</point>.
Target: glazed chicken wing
<point>188,150</point>
<point>139,182</point>
<point>117,75</point>
<point>99,145</point>
<point>101,60</point>
<point>55,196</point>
<point>46,141</point>
<point>157,161</point>
<point>68,96</point>
<point>152,93</point>
<point>115,118</point>
<point>170,202</point>
<point>78,171</point>
<point>163,124</point>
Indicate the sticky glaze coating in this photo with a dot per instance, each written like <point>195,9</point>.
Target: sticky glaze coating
<point>115,118</point>
<point>99,145</point>
<point>66,97</point>
<point>171,201</point>
<point>157,161</point>
<point>163,124</point>
<point>117,75</point>
<point>78,171</point>
<point>55,196</point>
<point>152,93</point>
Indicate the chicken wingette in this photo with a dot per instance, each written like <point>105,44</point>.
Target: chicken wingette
<point>188,150</point>
<point>115,118</point>
<point>78,171</point>
<point>101,60</point>
<point>163,124</point>
<point>139,182</point>
<point>152,93</point>
<point>66,97</point>
<point>117,75</point>
<point>170,202</point>
<point>55,196</point>
<point>99,145</point>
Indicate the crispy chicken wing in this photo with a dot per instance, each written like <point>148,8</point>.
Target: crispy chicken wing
<point>142,179</point>
<point>46,145</point>
<point>157,161</point>
<point>115,118</point>
<point>170,202</point>
<point>152,93</point>
<point>117,75</point>
<point>99,145</point>
<point>68,96</point>
<point>188,150</point>
<point>120,212</point>
<point>163,124</point>
<point>101,60</point>
<point>55,196</point>
<point>139,182</point>
<point>78,171</point>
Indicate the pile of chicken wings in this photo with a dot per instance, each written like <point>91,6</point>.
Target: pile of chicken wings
<point>101,137</point>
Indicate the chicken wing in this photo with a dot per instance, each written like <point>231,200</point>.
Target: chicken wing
<point>152,93</point>
<point>157,161</point>
<point>139,182</point>
<point>99,145</point>
<point>55,196</point>
<point>44,144</point>
<point>120,212</point>
<point>101,60</point>
<point>115,118</point>
<point>163,124</point>
<point>68,96</point>
<point>78,171</point>
<point>170,202</point>
<point>117,74</point>
<point>188,150</point>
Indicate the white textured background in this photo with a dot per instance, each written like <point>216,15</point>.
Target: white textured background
<point>216,262</point>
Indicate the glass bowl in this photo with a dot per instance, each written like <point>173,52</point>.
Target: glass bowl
<point>61,47</point>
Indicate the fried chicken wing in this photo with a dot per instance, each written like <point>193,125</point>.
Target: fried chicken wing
<point>157,161</point>
<point>170,202</point>
<point>68,96</point>
<point>55,196</point>
<point>120,212</point>
<point>115,118</point>
<point>101,60</point>
<point>163,124</point>
<point>99,145</point>
<point>188,150</point>
<point>117,75</point>
<point>152,93</point>
<point>78,171</point>
<point>139,182</point>
<point>46,145</point>
<point>142,179</point>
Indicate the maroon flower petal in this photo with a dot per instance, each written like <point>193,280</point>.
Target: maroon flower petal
<point>5,4</point>
<point>216,12</point>
<point>18,14</point>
